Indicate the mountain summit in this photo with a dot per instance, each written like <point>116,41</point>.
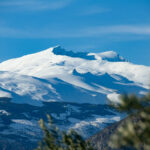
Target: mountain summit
<point>109,56</point>
<point>38,72</point>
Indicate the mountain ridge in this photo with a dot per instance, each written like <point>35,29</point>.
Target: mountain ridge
<point>95,75</point>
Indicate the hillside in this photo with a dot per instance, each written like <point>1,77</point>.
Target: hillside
<point>73,87</point>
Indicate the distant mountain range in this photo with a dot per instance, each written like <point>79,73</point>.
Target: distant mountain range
<point>73,87</point>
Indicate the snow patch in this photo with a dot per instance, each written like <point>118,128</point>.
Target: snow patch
<point>24,122</point>
<point>4,112</point>
<point>94,124</point>
<point>5,94</point>
<point>114,97</point>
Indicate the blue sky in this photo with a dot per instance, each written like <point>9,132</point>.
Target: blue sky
<point>28,26</point>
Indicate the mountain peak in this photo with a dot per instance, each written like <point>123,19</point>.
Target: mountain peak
<point>108,55</point>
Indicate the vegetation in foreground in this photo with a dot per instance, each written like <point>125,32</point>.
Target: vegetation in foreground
<point>54,139</point>
<point>133,133</point>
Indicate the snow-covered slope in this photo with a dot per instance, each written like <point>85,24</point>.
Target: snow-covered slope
<point>72,87</point>
<point>53,63</point>
<point>104,70</point>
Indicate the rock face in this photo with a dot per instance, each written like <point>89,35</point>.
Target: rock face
<point>73,87</point>
<point>100,140</point>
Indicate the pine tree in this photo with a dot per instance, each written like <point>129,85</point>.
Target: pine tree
<point>134,132</point>
<point>54,139</point>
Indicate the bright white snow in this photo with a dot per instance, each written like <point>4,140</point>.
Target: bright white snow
<point>32,75</point>
<point>5,94</point>
<point>44,64</point>
<point>114,97</point>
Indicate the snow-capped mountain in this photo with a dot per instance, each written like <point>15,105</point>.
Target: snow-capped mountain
<point>73,87</point>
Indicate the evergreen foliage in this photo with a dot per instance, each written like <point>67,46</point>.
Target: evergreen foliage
<point>134,132</point>
<point>54,139</point>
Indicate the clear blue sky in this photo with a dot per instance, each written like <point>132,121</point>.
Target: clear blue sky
<point>28,26</point>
